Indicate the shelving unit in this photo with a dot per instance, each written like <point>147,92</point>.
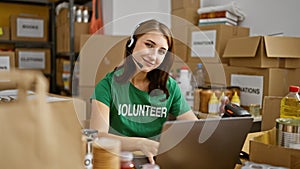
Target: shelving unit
<point>37,44</point>
<point>71,55</point>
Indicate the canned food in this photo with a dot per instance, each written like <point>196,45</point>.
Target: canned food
<point>254,109</point>
<point>288,132</point>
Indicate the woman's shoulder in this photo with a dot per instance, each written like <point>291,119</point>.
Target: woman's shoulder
<point>108,77</point>
<point>113,73</point>
<point>171,82</point>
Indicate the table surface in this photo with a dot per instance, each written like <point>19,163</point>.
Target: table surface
<point>140,158</point>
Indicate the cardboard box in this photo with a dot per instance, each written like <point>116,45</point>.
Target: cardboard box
<point>7,61</point>
<point>180,29</point>
<point>215,74</point>
<point>33,59</point>
<point>263,149</point>
<point>180,50</point>
<point>29,28</point>
<point>188,14</point>
<point>207,43</point>
<point>63,31</point>
<point>63,17</point>
<point>97,60</point>
<point>264,52</point>
<point>270,112</point>
<point>275,82</point>
<point>175,4</point>
<point>62,66</point>
<point>63,36</point>
<point>4,33</point>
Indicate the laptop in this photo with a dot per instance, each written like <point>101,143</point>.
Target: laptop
<point>213,143</point>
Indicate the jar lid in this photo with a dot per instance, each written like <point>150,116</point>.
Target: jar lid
<point>184,68</point>
<point>288,125</point>
<point>126,156</point>
<point>294,88</point>
<point>150,166</point>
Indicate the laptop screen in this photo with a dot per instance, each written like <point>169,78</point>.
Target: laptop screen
<point>205,143</point>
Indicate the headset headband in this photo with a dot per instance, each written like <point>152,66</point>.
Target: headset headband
<point>131,37</point>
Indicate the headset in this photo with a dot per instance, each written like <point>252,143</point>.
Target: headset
<point>131,37</point>
<point>130,45</point>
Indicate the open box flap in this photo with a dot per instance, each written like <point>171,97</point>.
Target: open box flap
<point>242,47</point>
<point>282,47</point>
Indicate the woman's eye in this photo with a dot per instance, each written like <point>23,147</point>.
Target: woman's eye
<point>149,45</point>
<point>162,51</point>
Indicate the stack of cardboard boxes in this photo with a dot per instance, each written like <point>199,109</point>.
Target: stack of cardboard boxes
<point>271,63</point>
<point>22,28</point>
<point>201,44</point>
<point>265,67</point>
<point>183,15</point>
<point>27,28</point>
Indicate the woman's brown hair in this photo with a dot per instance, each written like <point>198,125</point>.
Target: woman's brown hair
<point>158,77</point>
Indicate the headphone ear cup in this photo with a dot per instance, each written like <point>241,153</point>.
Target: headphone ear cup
<point>131,42</point>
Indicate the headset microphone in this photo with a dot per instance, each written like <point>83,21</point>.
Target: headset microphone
<point>138,63</point>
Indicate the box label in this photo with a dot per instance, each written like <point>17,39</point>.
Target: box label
<point>32,60</point>
<point>203,43</point>
<point>33,28</point>
<point>251,88</point>
<point>4,63</point>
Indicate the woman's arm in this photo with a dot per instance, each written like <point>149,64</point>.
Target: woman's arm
<point>189,115</point>
<point>100,122</point>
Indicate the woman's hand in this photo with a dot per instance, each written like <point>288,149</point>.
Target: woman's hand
<point>149,148</point>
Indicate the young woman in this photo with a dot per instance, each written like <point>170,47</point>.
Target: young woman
<point>132,102</point>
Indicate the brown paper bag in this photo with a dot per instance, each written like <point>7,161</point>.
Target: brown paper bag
<point>36,134</point>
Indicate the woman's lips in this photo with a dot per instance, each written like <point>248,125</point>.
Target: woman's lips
<point>148,62</point>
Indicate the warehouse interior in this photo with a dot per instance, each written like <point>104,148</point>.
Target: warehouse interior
<point>248,52</point>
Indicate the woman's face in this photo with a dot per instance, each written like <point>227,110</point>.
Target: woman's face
<point>150,50</point>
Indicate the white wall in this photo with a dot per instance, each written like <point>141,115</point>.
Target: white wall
<point>265,17</point>
<point>121,16</point>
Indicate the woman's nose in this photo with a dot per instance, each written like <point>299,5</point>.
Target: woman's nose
<point>154,52</point>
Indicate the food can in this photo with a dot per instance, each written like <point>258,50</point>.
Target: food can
<point>254,110</point>
<point>288,132</point>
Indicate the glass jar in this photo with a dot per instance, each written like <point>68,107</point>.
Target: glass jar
<point>126,158</point>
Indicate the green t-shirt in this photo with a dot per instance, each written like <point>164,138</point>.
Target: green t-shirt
<point>136,113</point>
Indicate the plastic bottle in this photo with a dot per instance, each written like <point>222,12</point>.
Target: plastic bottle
<point>236,99</point>
<point>290,104</point>
<point>213,104</point>
<point>184,81</point>
<point>85,14</point>
<point>126,160</point>
<point>198,79</point>
<point>220,98</point>
<point>223,100</point>
<point>79,14</point>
